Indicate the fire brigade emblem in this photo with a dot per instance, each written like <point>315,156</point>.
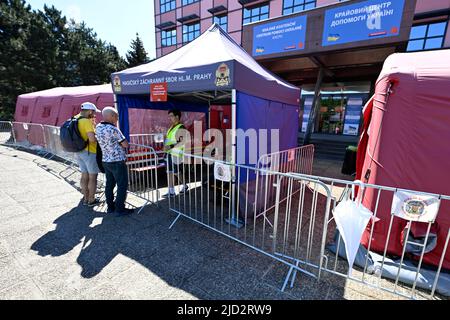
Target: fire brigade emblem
<point>414,207</point>
<point>223,76</point>
<point>117,84</point>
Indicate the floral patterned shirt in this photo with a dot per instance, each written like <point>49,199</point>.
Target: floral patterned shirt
<point>109,138</point>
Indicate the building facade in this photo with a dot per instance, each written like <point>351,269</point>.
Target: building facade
<point>314,43</point>
<point>180,21</point>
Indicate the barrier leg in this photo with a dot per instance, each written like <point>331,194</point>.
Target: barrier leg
<point>174,221</point>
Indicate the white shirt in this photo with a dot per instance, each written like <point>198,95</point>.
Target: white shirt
<point>109,138</point>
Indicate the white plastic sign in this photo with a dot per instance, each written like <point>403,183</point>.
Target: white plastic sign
<point>159,138</point>
<point>222,172</point>
<point>415,207</point>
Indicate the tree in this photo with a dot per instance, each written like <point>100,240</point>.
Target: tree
<point>137,55</point>
<point>41,50</point>
<point>15,23</point>
<point>91,60</point>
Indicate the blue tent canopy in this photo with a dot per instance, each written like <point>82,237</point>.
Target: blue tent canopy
<point>205,72</point>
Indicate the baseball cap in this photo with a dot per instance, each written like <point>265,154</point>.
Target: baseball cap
<point>89,106</point>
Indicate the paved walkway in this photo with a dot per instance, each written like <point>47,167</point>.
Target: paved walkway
<point>53,248</point>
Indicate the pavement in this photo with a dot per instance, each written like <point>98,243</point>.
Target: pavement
<point>52,247</point>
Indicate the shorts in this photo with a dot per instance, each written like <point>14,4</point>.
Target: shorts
<point>173,164</point>
<point>87,161</point>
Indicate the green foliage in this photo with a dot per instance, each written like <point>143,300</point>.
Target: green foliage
<point>137,55</point>
<point>41,50</point>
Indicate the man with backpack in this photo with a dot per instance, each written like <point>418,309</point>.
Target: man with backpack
<point>86,158</point>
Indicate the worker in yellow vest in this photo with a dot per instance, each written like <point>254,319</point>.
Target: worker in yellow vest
<point>175,151</point>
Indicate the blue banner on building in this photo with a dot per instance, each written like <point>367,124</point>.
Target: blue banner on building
<point>306,112</point>
<point>281,36</point>
<point>366,20</point>
<point>353,116</point>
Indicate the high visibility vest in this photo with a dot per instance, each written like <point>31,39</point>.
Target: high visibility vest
<point>171,140</point>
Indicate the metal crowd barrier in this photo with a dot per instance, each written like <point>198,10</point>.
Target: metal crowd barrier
<point>44,140</point>
<point>143,164</point>
<point>6,132</point>
<point>153,140</point>
<point>30,136</point>
<point>298,225</point>
<point>298,228</point>
<point>379,267</point>
<point>296,160</point>
<point>55,147</point>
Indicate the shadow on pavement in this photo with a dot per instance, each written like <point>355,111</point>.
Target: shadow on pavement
<point>188,257</point>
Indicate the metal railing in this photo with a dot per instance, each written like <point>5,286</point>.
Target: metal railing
<point>389,257</point>
<point>6,132</point>
<point>298,228</point>
<point>301,224</point>
<point>143,163</point>
<point>30,136</point>
<point>55,147</point>
<point>153,140</point>
<point>295,160</point>
<point>295,237</point>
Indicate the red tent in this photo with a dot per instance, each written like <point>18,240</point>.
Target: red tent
<point>35,106</point>
<point>72,98</point>
<point>54,106</point>
<point>406,144</point>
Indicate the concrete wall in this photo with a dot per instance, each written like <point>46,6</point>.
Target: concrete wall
<point>431,5</point>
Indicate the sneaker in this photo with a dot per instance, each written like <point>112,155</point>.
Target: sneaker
<point>94,203</point>
<point>125,212</point>
<point>110,210</point>
<point>169,195</point>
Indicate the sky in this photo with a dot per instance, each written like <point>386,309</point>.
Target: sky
<point>114,21</point>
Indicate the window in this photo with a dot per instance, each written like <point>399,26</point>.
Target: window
<point>256,14</point>
<point>292,6</point>
<point>186,2</point>
<point>190,32</point>
<point>221,21</point>
<point>24,111</point>
<point>168,38</point>
<point>167,5</point>
<point>427,36</point>
<point>46,112</point>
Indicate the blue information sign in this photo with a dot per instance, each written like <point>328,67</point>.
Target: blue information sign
<point>281,36</point>
<point>353,116</point>
<point>362,21</point>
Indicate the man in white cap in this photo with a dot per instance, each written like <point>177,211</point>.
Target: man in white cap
<point>113,145</point>
<point>86,159</point>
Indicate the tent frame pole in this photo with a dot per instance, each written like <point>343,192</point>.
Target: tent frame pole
<point>234,221</point>
<point>233,126</point>
<point>117,108</point>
